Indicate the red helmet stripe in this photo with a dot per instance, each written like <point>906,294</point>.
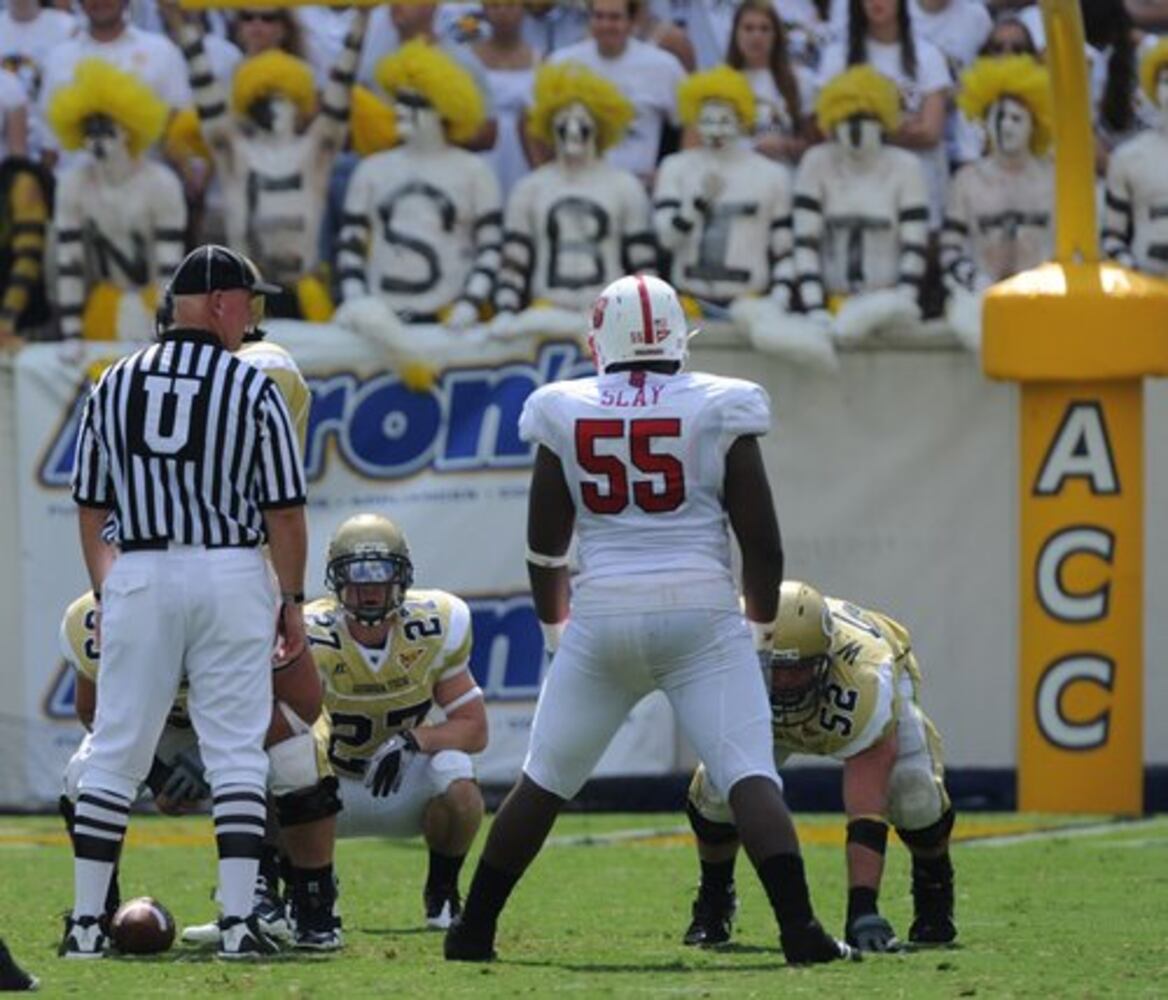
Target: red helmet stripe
<point>646,309</point>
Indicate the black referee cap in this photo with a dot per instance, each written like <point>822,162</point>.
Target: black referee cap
<point>215,268</point>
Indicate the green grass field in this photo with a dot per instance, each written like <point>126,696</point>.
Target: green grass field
<point>1080,913</point>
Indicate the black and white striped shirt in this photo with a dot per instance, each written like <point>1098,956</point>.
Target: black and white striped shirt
<point>189,444</point>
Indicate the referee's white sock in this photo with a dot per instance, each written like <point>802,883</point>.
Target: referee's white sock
<point>240,814</point>
<point>99,826</point>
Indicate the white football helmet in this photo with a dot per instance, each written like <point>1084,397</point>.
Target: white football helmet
<point>638,318</point>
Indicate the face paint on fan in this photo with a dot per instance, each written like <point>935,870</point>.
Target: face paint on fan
<point>417,121</point>
<point>575,132</point>
<point>859,134</point>
<point>105,140</point>
<point>1161,92</point>
<point>717,124</point>
<point>274,114</point>
<point>1011,126</point>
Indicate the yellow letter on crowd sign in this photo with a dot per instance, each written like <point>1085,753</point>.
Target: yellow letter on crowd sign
<point>1079,335</point>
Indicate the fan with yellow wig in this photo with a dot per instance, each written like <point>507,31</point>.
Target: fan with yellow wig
<point>273,73</point>
<point>560,84</point>
<point>1020,77</point>
<point>101,89</point>
<point>719,84</point>
<point>860,90</point>
<point>450,90</point>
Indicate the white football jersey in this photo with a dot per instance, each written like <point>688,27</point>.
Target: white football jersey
<point>570,233</point>
<point>644,456</point>
<point>736,244</point>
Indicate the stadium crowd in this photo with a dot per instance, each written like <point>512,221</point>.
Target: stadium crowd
<point>464,162</point>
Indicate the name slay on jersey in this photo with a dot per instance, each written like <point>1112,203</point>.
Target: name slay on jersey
<point>386,431</point>
<point>623,398</point>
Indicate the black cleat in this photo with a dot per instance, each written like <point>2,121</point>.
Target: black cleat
<point>465,943</point>
<point>241,938</point>
<point>932,931</point>
<point>442,904</point>
<point>13,979</point>
<point>713,916</point>
<point>84,937</point>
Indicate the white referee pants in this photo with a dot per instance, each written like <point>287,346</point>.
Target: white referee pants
<point>703,660</point>
<point>210,612</point>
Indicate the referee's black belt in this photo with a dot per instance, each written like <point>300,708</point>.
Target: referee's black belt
<point>162,544</point>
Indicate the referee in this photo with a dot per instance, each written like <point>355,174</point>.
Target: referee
<point>194,454</point>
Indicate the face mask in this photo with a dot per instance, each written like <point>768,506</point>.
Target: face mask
<point>1010,126</point>
<point>860,135</point>
<point>575,133</point>
<point>717,125</point>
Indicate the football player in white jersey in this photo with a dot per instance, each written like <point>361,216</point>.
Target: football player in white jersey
<point>650,466</point>
<point>302,787</point>
<point>1000,214</point>
<point>845,685</point>
<point>119,216</point>
<point>1135,226</point>
<point>577,223</point>
<point>404,710</point>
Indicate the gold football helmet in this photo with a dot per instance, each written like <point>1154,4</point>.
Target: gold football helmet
<point>369,567</point>
<point>800,653</point>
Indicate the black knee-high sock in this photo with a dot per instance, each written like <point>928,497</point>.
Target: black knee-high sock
<point>443,871</point>
<point>717,877</point>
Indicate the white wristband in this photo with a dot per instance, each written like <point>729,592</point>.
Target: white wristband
<point>551,634</point>
<point>763,635</point>
<point>545,561</point>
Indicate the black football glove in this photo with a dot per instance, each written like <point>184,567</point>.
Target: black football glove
<point>186,781</point>
<point>387,767</point>
<point>871,932</point>
<point>809,944</point>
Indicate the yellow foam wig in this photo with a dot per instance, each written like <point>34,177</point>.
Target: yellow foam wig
<point>1155,60</point>
<point>99,88</point>
<point>371,122</point>
<point>560,84</point>
<point>719,84</point>
<point>430,72</point>
<point>184,139</point>
<point>860,90</point>
<point>271,73</point>
<point>1021,77</point>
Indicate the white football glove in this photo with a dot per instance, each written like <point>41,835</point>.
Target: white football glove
<point>387,767</point>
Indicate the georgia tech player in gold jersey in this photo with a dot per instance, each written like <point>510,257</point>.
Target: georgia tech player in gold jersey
<point>845,684</point>
<point>390,656</point>
<point>300,782</point>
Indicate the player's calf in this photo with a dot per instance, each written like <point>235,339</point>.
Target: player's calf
<point>450,824</point>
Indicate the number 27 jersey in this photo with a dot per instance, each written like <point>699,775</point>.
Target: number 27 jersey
<point>644,457</point>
